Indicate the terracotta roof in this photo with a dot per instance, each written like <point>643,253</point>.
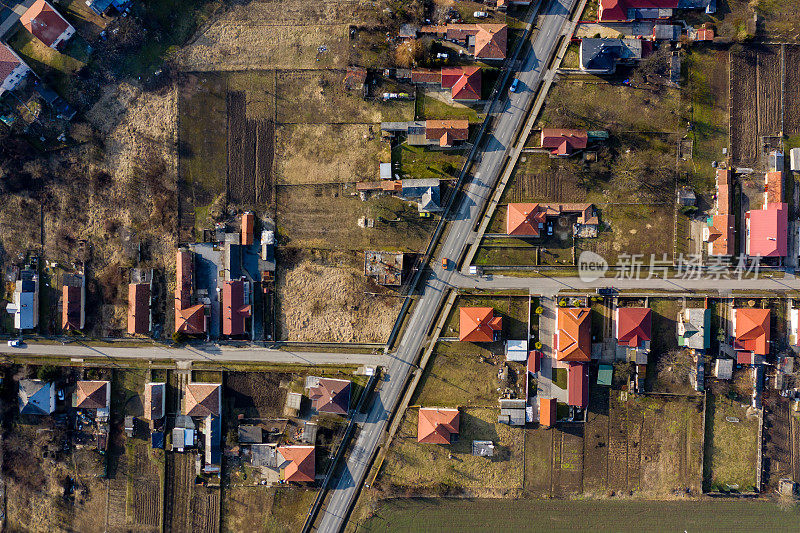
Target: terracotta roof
<point>767,231</point>
<point>8,62</point>
<point>92,394</point>
<point>447,131</point>
<point>478,324</point>
<point>562,141</point>
<point>331,396</point>
<point>573,337</point>
<point>618,9</point>
<point>491,41</point>
<point>234,308</point>
<point>248,222</point>
<point>773,184</point>
<point>189,318</point>
<point>752,330</point>
<point>424,75</point>
<point>464,82</point>
<point>71,303</point>
<point>547,411</point>
<point>633,325</point>
<point>435,426</point>
<point>301,465</point>
<point>534,361</point>
<point>139,308</point>
<point>577,384</point>
<point>524,219</point>
<point>355,77</point>
<point>203,399</point>
<point>723,191</point>
<point>720,234</point>
<point>154,401</point>
<point>705,34</point>
<point>44,22</point>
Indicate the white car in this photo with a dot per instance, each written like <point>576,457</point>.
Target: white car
<point>480,14</point>
<point>14,343</point>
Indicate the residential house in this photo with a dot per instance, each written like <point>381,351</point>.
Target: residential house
<point>73,302</point>
<point>297,463</point>
<point>248,224</point>
<point>437,426</point>
<point>525,219</point>
<point>94,395</point>
<point>464,82</point>
<point>46,24</point>
<point>578,385</point>
<point>563,142</point>
<point>512,412</point>
<point>622,10</point>
<point>139,319</point>
<point>203,399</point>
<point>694,328</point>
<point>602,55</point>
<point>426,192</point>
<point>189,319</point>
<point>25,306</point>
<point>478,324</point>
<point>235,307</point>
<point>767,231</point>
<point>547,411</point>
<point>331,396</point>
<point>633,332</point>
<point>517,351</point>
<point>154,401</point>
<point>12,69</point>
<point>441,133</point>
<point>483,41</point>
<point>719,229</point>
<point>573,335</point>
<point>751,334</point>
<point>36,397</point>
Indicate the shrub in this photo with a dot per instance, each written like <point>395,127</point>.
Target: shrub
<point>48,373</point>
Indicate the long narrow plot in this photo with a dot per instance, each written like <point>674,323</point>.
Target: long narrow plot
<point>250,153</point>
<point>792,88</point>
<point>744,116</point>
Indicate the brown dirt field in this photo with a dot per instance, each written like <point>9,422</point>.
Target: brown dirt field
<point>744,122</point>
<point>256,394</point>
<point>539,178</point>
<point>205,508</point>
<point>328,153</point>
<point>276,34</point>
<point>322,297</point>
<point>567,461</point>
<point>792,87</point>
<point>769,90</point>
<point>179,490</point>
<point>250,153</point>
<point>245,509</point>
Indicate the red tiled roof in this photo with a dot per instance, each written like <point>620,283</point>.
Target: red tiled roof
<point>534,360</point>
<point>720,234</point>
<point>234,309</point>
<point>577,385</point>
<point>723,191</point>
<point>447,131</point>
<point>8,62</point>
<point>478,324</point>
<point>203,399</point>
<point>302,463</point>
<point>139,308</point>
<point>44,22</point>
<point>464,82</point>
<point>573,337</point>
<point>774,187</point>
<point>71,308</point>
<point>248,221</point>
<point>435,426</point>
<point>424,75</point>
<point>752,330</point>
<point>92,394</point>
<point>524,219</point>
<point>189,318</point>
<point>618,9</point>
<point>767,231</point>
<point>547,411</point>
<point>562,141</point>
<point>331,396</point>
<point>633,325</point>
<point>490,39</point>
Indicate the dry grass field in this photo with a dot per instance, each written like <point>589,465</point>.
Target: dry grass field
<point>328,153</point>
<point>246,509</point>
<point>731,445</point>
<point>425,469</point>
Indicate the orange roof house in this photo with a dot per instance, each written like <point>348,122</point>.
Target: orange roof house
<point>773,187</point>
<point>138,308</point>
<point>46,24</point>
<point>203,399</point>
<point>297,463</point>
<point>547,411</point>
<point>525,219</point>
<point>234,308</point>
<point>331,396</point>
<point>488,41</point>
<point>248,223</point>
<point>189,319</point>
<point>478,324</point>
<point>447,132</point>
<point>72,317</point>
<point>573,334</point>
<point>92,394</point>
<point>562,142</point>
<point>437,426</point>
<point>751,330</point>
<point>633,326</point>
<point>718,234</point>
<point>464,82</point>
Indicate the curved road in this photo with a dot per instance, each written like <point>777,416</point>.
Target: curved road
<point>436,283</point>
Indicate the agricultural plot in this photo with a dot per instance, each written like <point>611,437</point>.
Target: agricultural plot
<point>179,489</point>
<point>425,469</point>
<point>255,394</point>
<point>246,509</point>
<point>250,153</point>
<point>792,88</point>
<point>731,445</point>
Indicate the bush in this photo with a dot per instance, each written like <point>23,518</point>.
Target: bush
<point>48,373</point>
<point>179,337</point>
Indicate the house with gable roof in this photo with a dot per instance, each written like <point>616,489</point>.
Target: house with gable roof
<point>478,324</point>
<point>573,335</point>
<point>73,301</point>
<point>563,142</point>
<point>331,396</point>
<point>751,335</point>
<point>46,24</point>
<point>437,425</point>
<point>483,41</point>
<point>139,319</point>
<point>12,69</point>
<point>36,397</point>
<point>189,319</point>
<point>694,328</point>
<point>202,399</point>
<point>297,463</point>
<point>25,305</point>
<point>236,307</point>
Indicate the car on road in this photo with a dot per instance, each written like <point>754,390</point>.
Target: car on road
<point>515,85</point>
<point>606,291</point>
<point>14,343</point>
<point>445,263</point>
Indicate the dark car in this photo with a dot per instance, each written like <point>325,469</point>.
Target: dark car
<point>606,291</point>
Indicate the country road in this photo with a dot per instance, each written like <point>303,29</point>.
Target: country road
<point>435,284</point>
<point>206,352</point>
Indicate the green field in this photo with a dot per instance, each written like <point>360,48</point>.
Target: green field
<point>431,515</point>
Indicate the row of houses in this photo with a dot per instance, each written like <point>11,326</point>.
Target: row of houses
<point>628,10</point>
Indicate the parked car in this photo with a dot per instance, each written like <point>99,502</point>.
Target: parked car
<point>480,14</point>
<point>606,291</point>
<point>15,343</point>
<point>515,85</point>
<point>60,395</point>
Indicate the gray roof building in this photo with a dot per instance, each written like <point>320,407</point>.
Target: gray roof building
<point>512,412</point>
<point>601,56</point>
<point>250,434</point>
<point>36,397</point>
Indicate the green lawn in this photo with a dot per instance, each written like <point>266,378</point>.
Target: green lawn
<point>51,65</point>
<point>415,162</point>
<point>428,107</point>
<point>290,508</point>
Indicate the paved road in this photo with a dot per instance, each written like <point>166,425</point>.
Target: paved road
<point>205,352</point>
<point>435,284</point>
<point>552,285</point>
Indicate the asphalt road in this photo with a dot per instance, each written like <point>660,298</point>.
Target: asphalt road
<point>206,352</point>
<point>435,284</point>
<point>552,285</point>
